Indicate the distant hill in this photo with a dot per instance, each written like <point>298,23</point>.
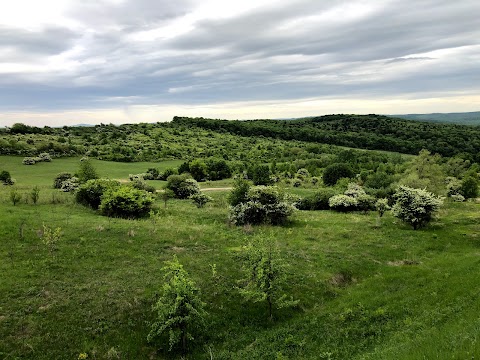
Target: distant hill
<point>466,118</point>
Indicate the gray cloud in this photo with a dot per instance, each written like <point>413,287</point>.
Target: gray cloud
<point>286,50</point>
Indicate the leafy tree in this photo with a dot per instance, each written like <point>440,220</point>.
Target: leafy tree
<point>264,276</point>
<point>35,194</point>
<point>425,171</point>
<point>382,205</point>
<point>218,169</point>
<point>239,192</point>
<point>335,172</point>
<point>201,199</point>
<point>87,171</point>
<point>198,170</point>
<point>183,186</point>
<point>15,196</point>
<point>261,174</point>
<point>165,195</point>
<point>469,187</point>
<point>180,310</point>
<point>416,207</point>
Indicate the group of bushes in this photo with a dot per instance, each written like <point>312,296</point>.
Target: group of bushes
<point>43,157</point>
<point>258,204</point>
<point>6,178</point>
<point>114,199</point>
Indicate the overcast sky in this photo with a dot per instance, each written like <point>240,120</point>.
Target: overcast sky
<point>91,61</point>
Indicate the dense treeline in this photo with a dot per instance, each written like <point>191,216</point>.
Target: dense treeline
<point>374,132</point>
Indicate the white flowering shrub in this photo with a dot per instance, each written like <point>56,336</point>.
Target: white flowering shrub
<point>416,207</point>
<point>263,204</point>
<point>457,197</point>
<point>45,157</point>
<point>343,203</point>
<point>382,206</point>
<point>28,161</point>
<point>200,199</point>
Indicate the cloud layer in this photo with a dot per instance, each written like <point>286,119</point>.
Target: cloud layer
<point>117,54</point>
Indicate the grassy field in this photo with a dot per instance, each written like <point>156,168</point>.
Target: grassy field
<point>368,288</point>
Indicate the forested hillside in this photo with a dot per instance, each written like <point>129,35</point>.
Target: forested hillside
<point>465,118</point>
<point>359,131</point>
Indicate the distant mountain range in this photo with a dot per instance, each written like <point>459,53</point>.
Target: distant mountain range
<point>465,118</point>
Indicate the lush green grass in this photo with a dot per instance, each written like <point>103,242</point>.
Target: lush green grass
<point>368,289</point>
<point>42,174</point>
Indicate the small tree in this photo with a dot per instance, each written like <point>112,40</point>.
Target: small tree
<point>335,172</point>
<point>261,174</point>
<point>15,197</point>
<point>201,199</point>
<point>265,276</point>
<point>87,171</point>
<point>239,192</point>
<point>165,195</point>
<point>381,206</point>
<point>51,237</point>
<point>35,194</point>
<point>183,186</point>
<point>180,310</point>
<point>198,170</point>
<point>415,206</point>
<point>469,187</point>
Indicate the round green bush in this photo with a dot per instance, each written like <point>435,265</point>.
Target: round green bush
<point>90,194</point>
<point>183,186</point>
<point>60,178</point>
<point>126,202</point>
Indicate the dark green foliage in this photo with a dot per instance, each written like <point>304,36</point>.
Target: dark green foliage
<point>183,186</point>
<point>239,193</point>
<point>198,170</point>
<point>6,178</point>
<point>261,174</point>
<point>87,171</point>
<point>90,194</point>
<point>166,173</point>
<point>317,201</point>
<point>180,312</point>
<point>184,168</point>
<point>60,178</point>
<point>375,132</point>
<point>469,187</point>
<point>218,169</point>
<point>335,172</point>
<point>154,173</point>
<point>264,275</point>
<point>125,202</point>
<point>142,185</point>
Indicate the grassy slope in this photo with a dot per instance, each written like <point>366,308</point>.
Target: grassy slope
<point>94,294</point>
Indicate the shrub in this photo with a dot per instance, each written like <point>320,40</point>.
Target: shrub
<point>87,171</point>
<point>125,202</point>
<point>180,310</point>
<point>416,207</point>
<point>469,188</point>
<point>28,161</point>
<point>265,276</point>
<point>343,203</point>
<point>218,169</point>
<point>382,205</point>
<point>90,194</point>
<point>457,198</point>
<point>265,204</point>
<point>302,174</point>
<point>198,170</point>
<point>15,197</point>
<point>166,173</point>
<point>70,185</point>
<point>6,178</point>
<point>261,174</point>
<point>239,192</point>
<point>183,186</point>
<point>297,182</point>
<point>45,157</point>
<point>318,201</point>
<point>60,178</point>
<point>142,185</point>
<point>153,173</point>
<point>335,172</point>
<point>35,194</point>
<point>201,199</point>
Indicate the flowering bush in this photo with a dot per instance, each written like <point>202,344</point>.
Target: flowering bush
<point>416,207</point>
<point>343,203</point>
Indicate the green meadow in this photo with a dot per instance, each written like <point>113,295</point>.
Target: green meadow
<point>369,287</point>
